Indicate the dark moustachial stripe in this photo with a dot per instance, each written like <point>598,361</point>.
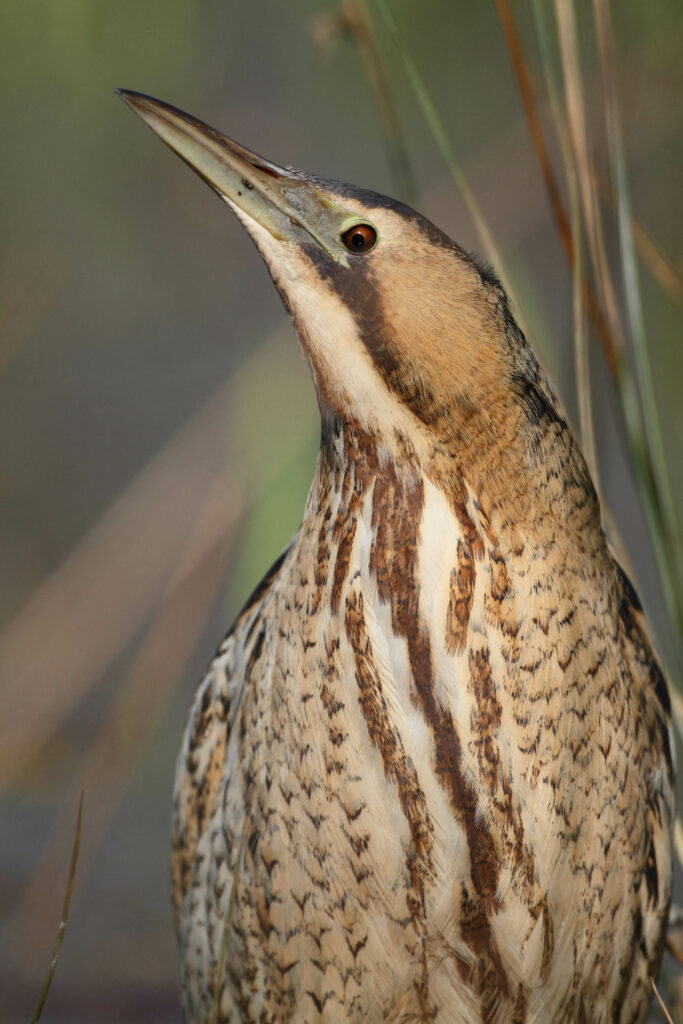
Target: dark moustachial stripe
<point>358,290</point>
<point>356,287</point>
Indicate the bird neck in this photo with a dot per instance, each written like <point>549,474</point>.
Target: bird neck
<point>457,543</point>
<point>510,473</point>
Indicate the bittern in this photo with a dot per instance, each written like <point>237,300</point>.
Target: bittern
<point>428,774</point>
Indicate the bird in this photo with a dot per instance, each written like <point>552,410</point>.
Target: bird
<point>428,774</point>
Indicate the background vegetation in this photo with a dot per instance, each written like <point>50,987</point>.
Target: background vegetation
<point>158,427</point>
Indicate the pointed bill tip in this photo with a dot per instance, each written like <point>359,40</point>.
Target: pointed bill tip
<point>126,94</point>
<point>131,94</point>
<point>283,201</point>
<point>138,101</point>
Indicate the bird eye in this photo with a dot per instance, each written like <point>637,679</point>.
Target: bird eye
<point>360,238</point>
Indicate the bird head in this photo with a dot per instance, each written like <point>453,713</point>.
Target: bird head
<point>405,333</point>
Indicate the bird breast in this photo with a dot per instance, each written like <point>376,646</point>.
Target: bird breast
<point>399,812</point>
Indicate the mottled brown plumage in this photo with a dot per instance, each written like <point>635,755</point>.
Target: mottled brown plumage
<point>427,776</point>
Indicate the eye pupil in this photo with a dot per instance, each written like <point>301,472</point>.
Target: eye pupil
<point>359,238</point>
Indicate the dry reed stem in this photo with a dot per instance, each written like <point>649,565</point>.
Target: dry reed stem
<point>561,219</point>
<point>360,25</point>
<point>526,91</point>
<point>640,417</point>
<point>581,352</point>
<point>429,110</point>
<point>90,609</point>
<point>158,668</point>
<point>667,1015</point>
<point>657,262</point>
<point>354,20</point>
<point>66,907</point>
<point>576,117</point>
<point>632,294</point>
<point>185,588</point>
<point>674,951</point>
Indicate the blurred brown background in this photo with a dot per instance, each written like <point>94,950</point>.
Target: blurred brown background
<point>157,424</point>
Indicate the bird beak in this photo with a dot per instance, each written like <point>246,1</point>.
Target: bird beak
<point>288,204</point>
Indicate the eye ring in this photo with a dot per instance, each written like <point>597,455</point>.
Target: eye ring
<point>360,238</point>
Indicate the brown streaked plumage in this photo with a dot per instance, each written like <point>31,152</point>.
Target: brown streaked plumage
<point>427,776</point>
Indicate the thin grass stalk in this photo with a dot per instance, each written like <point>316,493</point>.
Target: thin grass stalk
<point>667,1015</point>
<point>626,389</point>
<point>426,104</point>
<point>519,64</point>
<point>587,293</point>
<point>111,757</point>
<point>630,406</point>
<point>634,306</point>
<point>581,352</point>
<point>576,116</point>
<point>579,283</point>
<point>66,907</point>
<point>675,953</point>
<point>90,608</point>
<point>533,121</point>
<point>661,268</point>
<point>589,297</point>
<point>359,23</point>
<point>659,265</point>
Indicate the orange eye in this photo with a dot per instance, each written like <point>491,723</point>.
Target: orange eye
<point>360,238</point>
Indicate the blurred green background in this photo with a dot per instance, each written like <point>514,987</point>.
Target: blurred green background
<point>158,427</point>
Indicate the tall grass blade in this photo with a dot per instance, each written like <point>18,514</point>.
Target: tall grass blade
<point>66,907</point>
<point>92,606</point>
<point>634,306</point>
<point>426,104</point>
<point>660,266</point>
<point>627,391</point>
<point>519,63</point>
<point>112,756</point>
<point>527,94</point>
<point>576,118</point>
<point>667,1015</point>
<point>354,20</point>
<point>581,352</point>
<point>581,291</point>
